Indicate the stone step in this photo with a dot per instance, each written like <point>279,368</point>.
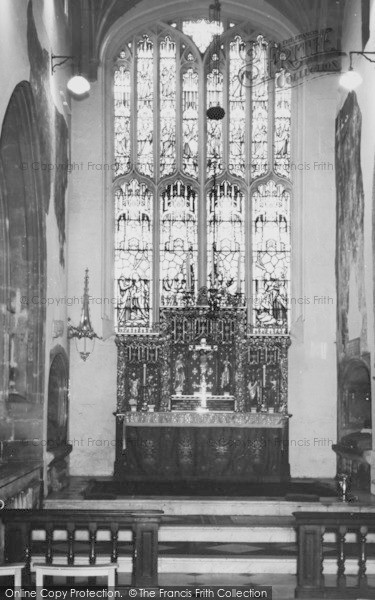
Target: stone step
<point>184,506</point>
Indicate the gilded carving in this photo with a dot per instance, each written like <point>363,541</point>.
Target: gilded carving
<point>251,369</point>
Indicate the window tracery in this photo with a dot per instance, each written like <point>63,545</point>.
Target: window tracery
<point>185,184</point>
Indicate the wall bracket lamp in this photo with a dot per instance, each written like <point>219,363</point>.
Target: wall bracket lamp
<point>351,79</point>
<point>77,85</point>
<point>84,333</point>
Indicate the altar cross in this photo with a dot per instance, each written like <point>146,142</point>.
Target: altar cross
<point>203,348</point>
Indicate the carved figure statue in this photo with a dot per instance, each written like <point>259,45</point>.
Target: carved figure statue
<point>134,385</point>
<point>152,389</point>
<point>225,376</point>
<point>273,391</point>
<point>202,299</point>
<point>179,380</point>
<point>252,387</point>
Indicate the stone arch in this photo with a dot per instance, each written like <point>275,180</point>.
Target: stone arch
<point>23,251</point>
<point>354,396</point>
<point>271,23</point>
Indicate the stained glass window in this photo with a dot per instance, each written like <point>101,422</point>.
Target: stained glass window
<point>226,238</point>
<point>271,257</point>
<point>133,255</point>
<point>283,97</point>
<point>198,198</point>
<point>178,243</point>
<point>259,113</point>
<point>237,109</point>
<point>122,95</point>
<point>190,129</point>
<point>167,106</point>
<point>145,105</point>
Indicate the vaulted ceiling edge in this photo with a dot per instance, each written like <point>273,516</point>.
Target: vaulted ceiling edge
<point>92,20</point>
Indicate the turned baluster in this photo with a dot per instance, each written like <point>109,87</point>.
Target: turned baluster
<point>362,564</point>
<point>71,530</point>
<point>70,558</point>
<point>49,541</point>
<point>92,548</point>
<point>28,550</point>
<point>92,540</point>
<point>341,578</point>
<point>114,540</point>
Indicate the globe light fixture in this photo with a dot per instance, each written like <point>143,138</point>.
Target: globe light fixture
<point>78,85</point>
<point>351,79</point>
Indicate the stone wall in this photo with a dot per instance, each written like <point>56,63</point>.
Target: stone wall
<point>33,155</point>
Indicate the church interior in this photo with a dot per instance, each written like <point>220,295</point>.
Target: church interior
<point>187,293</point>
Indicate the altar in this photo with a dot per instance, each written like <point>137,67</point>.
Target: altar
<point>202,398</point>
<point>173,446</point>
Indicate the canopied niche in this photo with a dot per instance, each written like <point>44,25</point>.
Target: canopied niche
<point>354,422</point>
<point>22,251</point>
<point>58,448</point>
<point>58,381</point>
<point>355,401</point>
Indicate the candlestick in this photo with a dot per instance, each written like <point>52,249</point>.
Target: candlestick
<point>264,375</point>
<point>144,373</point>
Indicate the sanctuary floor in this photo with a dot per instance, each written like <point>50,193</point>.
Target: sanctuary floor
<point>78,485</point>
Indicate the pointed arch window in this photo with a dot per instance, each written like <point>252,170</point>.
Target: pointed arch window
<point>200,202</point>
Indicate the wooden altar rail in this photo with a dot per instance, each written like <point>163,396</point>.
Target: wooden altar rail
<point>20,524</point>
<point>311,527</point>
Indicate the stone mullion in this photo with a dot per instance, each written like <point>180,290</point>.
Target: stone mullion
<point>133,111</point>
<point>248,207</point>
<point>202,177</point>
<point>156,199</point>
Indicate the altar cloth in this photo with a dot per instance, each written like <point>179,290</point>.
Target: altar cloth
<point>240,447</point>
